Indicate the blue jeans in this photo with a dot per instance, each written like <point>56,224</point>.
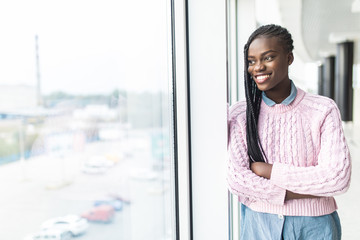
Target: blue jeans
<point>266,226</point>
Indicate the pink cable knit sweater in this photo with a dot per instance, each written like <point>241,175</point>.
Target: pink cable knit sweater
<point>306,145</point>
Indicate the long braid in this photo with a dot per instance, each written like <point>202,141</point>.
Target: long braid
<point>254,95</point>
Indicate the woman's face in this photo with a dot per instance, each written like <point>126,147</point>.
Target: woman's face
<point>268,66</point>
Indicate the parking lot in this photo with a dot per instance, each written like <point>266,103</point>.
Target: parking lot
<point>45,187</point>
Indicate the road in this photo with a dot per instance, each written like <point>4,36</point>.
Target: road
<point>49,186</point>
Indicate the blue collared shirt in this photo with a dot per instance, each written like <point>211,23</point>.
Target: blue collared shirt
<point>286,101</point>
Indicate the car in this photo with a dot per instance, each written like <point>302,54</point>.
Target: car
<point>50,234</point>
<point>115,203</point>
<point>96,165</point>
<point>118,196</point>
<point>100,161</point>
<point>93,169</point>
<point>102,213</point>
<point>74,224</point>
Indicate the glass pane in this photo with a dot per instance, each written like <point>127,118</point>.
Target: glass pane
<point>86,132</point>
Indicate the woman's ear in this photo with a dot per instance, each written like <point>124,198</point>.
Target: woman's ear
<point>290,58</point>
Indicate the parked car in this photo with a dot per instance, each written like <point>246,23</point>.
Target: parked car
<point>119,196</point>
<point>74,224</point>
<point>50,234</point>
<point>115,203</point>
<point>96,165</point>
<point>102,213</point>
<point>93,169</point>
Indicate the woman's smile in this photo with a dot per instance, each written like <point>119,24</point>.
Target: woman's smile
<point>261,78</point>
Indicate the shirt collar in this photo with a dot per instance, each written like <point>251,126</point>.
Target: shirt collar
<point>286,101</point>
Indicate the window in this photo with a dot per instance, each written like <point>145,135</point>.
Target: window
<point>86,117</point>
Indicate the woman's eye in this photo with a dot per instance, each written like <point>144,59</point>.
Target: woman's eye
<point>251,62</point>
<point>269,58</point>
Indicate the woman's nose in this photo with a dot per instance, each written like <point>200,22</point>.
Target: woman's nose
<point>259,67</point>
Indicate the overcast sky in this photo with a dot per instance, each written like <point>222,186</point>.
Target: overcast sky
<point>85,46</point>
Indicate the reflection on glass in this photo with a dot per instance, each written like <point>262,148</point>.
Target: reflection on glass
<point>85,120</point>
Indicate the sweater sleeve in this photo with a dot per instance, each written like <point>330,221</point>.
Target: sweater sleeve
<point>331,176</point>
<point>241,180</point>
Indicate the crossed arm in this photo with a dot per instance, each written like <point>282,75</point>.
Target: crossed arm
<point>264,170</point>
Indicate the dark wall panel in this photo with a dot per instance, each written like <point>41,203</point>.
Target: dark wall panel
<point>320,79</point>
<point>343,80</point>
<point>329,77</point>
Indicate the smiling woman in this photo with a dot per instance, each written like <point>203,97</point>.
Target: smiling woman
<point>288,156</point>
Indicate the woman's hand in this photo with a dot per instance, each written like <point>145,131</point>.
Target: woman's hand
<point>261,169</point>
<point>264,170</point>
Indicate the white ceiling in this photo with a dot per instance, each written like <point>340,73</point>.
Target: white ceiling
<point>322,18</point>
<point>316,25</point>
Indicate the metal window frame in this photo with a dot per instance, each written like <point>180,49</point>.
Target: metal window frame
<point>232,96</point>
<point>193,218</point>
<point>182,129</point>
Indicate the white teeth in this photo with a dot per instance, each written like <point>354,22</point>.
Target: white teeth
<point>262,77</point>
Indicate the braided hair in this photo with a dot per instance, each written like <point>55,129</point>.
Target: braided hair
<point>253,94</point>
